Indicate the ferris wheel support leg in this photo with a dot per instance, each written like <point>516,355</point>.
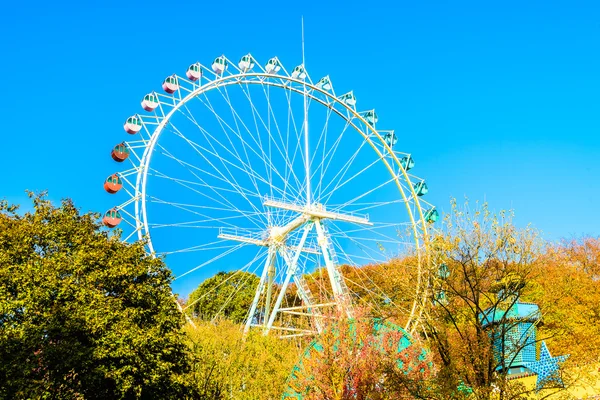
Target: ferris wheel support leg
<point>259,289</point>
<point>270,278</point>
<point>291,270</point>
<point>335,278</point>
<point>187,317</point>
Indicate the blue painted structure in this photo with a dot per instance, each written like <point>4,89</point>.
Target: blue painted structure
<point>513,332</point>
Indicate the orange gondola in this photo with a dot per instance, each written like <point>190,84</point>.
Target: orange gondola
<point>113,184</point>
<point>120,152</point>
<point>112,218</point>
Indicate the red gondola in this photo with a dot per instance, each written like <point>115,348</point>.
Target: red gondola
<point>112,218</point>
<point>113,184</point>
<point>120,152</point>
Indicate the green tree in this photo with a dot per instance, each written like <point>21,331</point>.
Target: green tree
<point>229,366</point>
<point>227,294</point>
<point>82,314</point>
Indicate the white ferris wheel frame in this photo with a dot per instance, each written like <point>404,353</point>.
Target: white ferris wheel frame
<point>307,88</point>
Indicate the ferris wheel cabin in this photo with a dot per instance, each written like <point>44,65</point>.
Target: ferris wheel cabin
<point>348,99</point>
<point>299,72</point>
<point>219,65</point>
<point>133,125</point>
<point>120,152</point>
<point>371,117</point>
<point>421,188</point>
<point>273,66</point>
<point>431,215</point>
<point>113,184</point>
<point>170,84</point>
<point>407,162</point>
<point>112,218</point>
<point>246,63</point>
<point>390,139</point>
<point>150,102</point>
<point>194,72</point>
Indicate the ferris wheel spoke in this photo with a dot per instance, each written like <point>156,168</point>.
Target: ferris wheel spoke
<point>157,200</point>
<point>159,174</point>
<point>248,215</point>
<point>242,214</point>
<point>341,172</point>
<point>225,203</point>
<point>243,285</point>
<point>282,153</point>
<point>271,141</point>
<point>341,184</point>
<point>236,117</point>
<point>322,142</point>
<point>319,167</point>
<point>213,259</point>
<point>376,230</point>
<point>285,152</point>
<point>243,167</point>
<point>329,156</point>
<point>217,245</point>
<point>362,195</point>
<point>291,121</point>
<point>224,125</point>
<point>203,151</point>
<point>248,167</point>
<point>190,166</point>
<point>258,255</point>
<point>233,184</point>
<point>366,206</point>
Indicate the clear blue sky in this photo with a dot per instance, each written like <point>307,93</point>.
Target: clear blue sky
<point>496,100</point>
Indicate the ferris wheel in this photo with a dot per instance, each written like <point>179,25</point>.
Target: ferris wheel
<point>281,181</point>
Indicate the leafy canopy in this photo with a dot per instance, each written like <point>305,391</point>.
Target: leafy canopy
<point>82,314</point>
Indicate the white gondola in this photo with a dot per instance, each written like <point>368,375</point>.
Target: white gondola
<point>194,72</point>
<point>273,66</point>
<point>170,84</point>
<point>150,102</point>
<point>246,63</point>
<point>324,83</point>
<point>299,72</point>
<point>348,98</point>
<point>219,65</point>
<point>133,124</point>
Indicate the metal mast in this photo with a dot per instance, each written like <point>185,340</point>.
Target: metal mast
<point>306,154</point>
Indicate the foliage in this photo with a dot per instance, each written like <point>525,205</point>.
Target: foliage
<point>226,294</point>
<point>227,366</point>
<point>83,315</point>
<point>568,288</point>
<point>482,264</point>
<point>352,359</point>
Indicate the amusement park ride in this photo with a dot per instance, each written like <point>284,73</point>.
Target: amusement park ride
<point>226,152</point>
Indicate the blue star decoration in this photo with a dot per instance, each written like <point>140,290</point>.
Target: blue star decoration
<point>546,368</point>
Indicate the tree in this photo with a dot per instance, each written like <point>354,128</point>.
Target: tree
<point>228,366</point>
<point>361,358</point>
<point>227,294</point>
<point>481,266</point>
<point>82,314</point>
<point>567,287</point>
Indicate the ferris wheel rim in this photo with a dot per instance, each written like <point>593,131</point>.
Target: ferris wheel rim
<point>419,226</point>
